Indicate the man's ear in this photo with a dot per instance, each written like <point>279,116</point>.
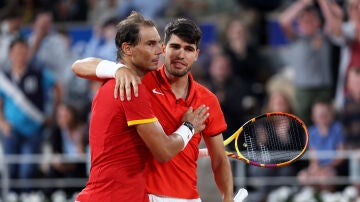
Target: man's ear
<point>197,54</point>
<point>127,48</point>
<point>163,46</point>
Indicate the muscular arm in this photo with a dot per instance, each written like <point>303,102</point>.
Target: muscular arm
<point>126,79</point>
<point>221,166</point>
<point>86,68</point>
<point>164,147</point>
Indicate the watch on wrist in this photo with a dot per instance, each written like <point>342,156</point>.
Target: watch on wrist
<point>190,126</point>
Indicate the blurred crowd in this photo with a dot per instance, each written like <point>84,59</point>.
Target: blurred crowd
<point>314,74</point>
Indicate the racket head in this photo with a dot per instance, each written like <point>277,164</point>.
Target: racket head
<point>270,140</point>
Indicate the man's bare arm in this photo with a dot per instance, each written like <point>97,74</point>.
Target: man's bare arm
<point>100,70</point>
<point>221,166</point>
<point>86,68</point>
<point>164,147</point>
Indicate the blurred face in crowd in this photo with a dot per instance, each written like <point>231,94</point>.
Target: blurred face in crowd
<point>63,116</point>
<point>179,56</point>
<point>109,32</point>
<point>220,68</point>
<point>279,102</point>
<point>322,114</point>
<point>309,22</point>
<point>236,31</point>
<point>19,54</point>
<point>14,24</point>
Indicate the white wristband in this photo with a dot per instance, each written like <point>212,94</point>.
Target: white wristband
<point>185,133</point>
<point>107,69</point>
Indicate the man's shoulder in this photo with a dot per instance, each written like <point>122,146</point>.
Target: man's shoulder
<point>202,90</point>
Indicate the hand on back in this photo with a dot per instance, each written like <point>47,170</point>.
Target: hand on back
<point>126,80</point>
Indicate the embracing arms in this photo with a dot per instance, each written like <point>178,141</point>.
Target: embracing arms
<point>100,70</point>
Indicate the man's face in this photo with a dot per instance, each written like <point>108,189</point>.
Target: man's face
<point>309,23</point>
<point>179,56</point>
<point>146,54</point>
<point>18,54</point>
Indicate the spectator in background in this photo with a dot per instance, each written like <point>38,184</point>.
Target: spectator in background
<point>22,120</point>
<point>102,43</point>
<point>10,25</point>
<point>309,54</point>
<point>351,112</point>
<point>152,9</point>
<point>259,9</point>
<point>48,48</point>
<point>350,116</point>
<point>347,36</point>
<point>246,60</point>
<point>78,96</point>
<point>70,10</point>
<point>68,138</point>
<point>326,136</point>
<point>237,105</point>
<point>278,101</point>
<point>99,11</point>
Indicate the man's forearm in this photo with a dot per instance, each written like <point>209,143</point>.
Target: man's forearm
<point>224,179</point>
<point>86,68</point>
<point>95,68</point>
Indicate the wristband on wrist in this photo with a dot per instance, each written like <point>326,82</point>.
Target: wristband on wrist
<point>186,131</point>
<point>107,69</point>
<point>190,126</point>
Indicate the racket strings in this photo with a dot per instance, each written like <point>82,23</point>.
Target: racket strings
<point>273,140</point>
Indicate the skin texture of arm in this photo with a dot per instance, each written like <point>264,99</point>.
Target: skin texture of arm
<point>221,166</point>
<point>126,79</point>
<point>337,19</point>
<point>4,125</point>
<point>164,147</point>
<point>328,15</point>
<point>86,68</point>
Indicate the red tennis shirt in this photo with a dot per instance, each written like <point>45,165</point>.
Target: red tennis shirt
<point>118,154</point>
<point>177,178</point>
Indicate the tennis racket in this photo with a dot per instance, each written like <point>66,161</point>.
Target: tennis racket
<point>270,140</point>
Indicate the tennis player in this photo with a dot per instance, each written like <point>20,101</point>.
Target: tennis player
<point>122,133</point>
<point>172,90</point>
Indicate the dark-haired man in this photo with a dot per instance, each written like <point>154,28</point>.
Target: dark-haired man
<point>172,90</point>
<point>123,135</point>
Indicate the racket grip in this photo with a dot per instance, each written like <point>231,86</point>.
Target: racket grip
<point>241,195</point>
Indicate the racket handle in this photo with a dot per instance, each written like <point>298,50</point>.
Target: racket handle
<point>203,153</point>
<point>241,195</point>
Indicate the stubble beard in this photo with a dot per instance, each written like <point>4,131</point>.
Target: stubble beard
<point>178,73</point>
